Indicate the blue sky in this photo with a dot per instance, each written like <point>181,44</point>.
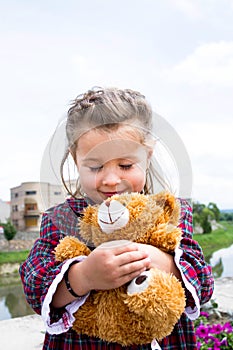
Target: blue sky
<point>179,53</point>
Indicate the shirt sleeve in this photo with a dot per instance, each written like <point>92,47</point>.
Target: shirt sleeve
<point>195,272</point>
<point>41,274</point>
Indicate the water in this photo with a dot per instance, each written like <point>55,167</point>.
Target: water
<point>12,299</point>
<point>222,262</point>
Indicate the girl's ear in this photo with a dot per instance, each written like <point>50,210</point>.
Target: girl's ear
<point>149,156</point>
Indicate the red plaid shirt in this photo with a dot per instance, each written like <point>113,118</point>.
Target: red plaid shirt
<point>40,269</point>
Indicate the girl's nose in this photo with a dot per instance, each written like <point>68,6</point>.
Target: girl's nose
<point>111,179</point>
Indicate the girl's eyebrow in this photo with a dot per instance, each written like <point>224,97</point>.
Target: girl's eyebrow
<point>91,159</point>
<point>100,160</point>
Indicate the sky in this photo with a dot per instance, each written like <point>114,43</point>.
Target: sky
<point>178,53</point>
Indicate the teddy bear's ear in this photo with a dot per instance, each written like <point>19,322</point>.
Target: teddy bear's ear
<point>170,206</point>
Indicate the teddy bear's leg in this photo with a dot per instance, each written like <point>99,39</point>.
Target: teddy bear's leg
<point>160,305</point>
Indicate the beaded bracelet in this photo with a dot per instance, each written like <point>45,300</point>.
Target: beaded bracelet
<point>67,282</point>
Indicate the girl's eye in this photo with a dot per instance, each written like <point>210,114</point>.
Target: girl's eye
<point>96,168</point>
<point>126,166</point>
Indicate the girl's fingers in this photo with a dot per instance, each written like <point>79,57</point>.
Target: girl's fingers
<point>135,266</point>
<point>128,277</point>
<point>131,257</point>
<point>119,247</point>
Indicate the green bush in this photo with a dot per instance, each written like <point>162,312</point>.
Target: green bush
<point>9,230</point>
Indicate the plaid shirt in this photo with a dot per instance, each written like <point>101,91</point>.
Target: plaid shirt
<point>40,269</point>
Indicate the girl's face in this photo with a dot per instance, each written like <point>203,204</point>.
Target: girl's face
<point>110,163</point>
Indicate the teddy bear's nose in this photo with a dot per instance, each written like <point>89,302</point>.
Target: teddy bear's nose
<point>107,202</point>
<point>140,279</point>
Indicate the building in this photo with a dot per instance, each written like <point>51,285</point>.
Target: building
<point>4,211</point>
<point>30,200</point>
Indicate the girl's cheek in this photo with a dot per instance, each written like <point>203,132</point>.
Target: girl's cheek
<point>91,180</point>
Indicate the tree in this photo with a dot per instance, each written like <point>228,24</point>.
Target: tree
<point>203,215</point>
<point>213,207</point>
<point>9,230</point>
<point>206,216</point>
<point>198,208</point>
<point>226,216</point>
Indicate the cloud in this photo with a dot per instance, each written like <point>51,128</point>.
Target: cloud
<point>210,63</point>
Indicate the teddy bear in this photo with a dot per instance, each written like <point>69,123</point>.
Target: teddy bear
<point>150,305</point>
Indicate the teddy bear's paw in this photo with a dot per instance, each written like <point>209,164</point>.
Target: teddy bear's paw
<point>139,283</point>
<point>69,247</point>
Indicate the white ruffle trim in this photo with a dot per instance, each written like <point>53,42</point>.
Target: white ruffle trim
<point>192,313</point>
<point>155,345</point>
<point>67,319</point>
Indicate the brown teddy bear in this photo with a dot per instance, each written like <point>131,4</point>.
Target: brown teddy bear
<point>148,307</point>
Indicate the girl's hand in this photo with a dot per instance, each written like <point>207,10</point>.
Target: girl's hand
<point>159,259</point>
<point>108,268</point>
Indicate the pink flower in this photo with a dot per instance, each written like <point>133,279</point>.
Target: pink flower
<point>202,331</point>
<point>216,328</point>
<point>227,327</point>
<point>205,314</point>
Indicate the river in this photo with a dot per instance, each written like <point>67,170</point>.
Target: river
<point>222,262</point>
<point>12,299</point>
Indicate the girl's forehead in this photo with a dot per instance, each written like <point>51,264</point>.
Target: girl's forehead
<point>95,144</point>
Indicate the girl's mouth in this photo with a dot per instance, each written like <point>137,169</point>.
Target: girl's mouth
<point>110,194</point>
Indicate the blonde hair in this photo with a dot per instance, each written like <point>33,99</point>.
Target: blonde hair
<point>106,109</point>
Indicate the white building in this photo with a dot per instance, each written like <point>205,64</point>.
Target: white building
<point>30,200</point>
<point>4,211</point>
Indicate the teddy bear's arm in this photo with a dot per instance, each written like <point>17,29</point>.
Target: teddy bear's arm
<point>166,237</point>
<point>70,247</point>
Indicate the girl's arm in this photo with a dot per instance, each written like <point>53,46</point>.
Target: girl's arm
<point>41,274</point>
<point>190,260</point>
<point>40,268</point>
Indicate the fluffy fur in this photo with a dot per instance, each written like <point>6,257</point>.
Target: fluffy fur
<point>117,315</point>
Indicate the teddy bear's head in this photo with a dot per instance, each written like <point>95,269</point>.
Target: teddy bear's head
<point>135,217</point>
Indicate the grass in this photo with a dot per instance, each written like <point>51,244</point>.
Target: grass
<point>217,239</point>
<point>13,257</point>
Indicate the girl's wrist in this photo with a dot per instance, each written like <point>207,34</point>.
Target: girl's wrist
<point>77,279</point>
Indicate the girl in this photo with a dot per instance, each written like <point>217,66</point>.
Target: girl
<point>109,140</point>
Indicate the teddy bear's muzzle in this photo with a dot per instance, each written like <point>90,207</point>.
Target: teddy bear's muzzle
<point>112,215</point>
<point>139,283</point>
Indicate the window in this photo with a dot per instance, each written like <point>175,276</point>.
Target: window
<point>14,208</point>
<point>30,192</point>
<point>31,206</point>
<point>57,193</point>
